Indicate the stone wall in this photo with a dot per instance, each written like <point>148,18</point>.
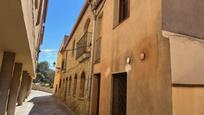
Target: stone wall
<point>74,67</point>
<point>41,88</point>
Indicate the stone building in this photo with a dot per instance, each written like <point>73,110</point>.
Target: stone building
<point>148,58</point>
<point>73,64</point>
<point>22,28</point>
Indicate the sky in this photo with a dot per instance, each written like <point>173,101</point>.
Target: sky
<point>61,17</point>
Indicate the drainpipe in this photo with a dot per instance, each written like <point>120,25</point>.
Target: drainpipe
<point>91,61</point>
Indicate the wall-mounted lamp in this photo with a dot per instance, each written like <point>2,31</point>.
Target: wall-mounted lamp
<point>142,56</point>
<point>128,60</point>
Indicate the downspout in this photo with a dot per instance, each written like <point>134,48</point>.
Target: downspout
<point>91,61</point>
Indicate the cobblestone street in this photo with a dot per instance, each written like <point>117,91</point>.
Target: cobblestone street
<point>41,103</point>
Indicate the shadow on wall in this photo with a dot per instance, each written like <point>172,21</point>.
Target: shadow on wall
<point>47,105</point>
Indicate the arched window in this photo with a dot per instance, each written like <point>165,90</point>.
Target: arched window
<point>70,83</point>
<point>65,94</point>
<point>86,26</point>
<point>73,48</point>
<point>63,88</point>
<point>82,84</point>
<point>75,85</point>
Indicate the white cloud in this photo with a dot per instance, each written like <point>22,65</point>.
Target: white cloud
<point>48,50</point>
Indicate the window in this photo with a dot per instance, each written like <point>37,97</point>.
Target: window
<point>65,94</point>
<point>99,25</point>
<point>63,88</point>
<point>119,94</point>
<point>82,85</point>
<point>60,83</point>
<point>39,13</point>
<point>70,83</point>
<point>73,48</point>
<point>75,85</point>
<point>98,38</point>
<point>86,26</point>
<point>121,11</point>
<point>63,65</point>
<point>36,4</point>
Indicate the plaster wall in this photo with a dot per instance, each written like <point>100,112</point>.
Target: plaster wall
<point>33,31</point>
<point>149,81</point>
<point>188,100</point>
<point>186,59</point>
<point>27,8</point>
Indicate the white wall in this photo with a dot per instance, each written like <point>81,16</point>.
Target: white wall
<point>187,60</point>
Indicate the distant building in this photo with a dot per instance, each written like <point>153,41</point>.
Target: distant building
<point>22,29</point>
<point>148,58</point>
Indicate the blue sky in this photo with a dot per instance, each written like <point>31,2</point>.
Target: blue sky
<point>61,17</point>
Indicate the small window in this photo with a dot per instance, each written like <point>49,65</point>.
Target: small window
<point>82,85</point>
<point>65,94</point>
<point>73,48</point>
<point>99,25</point>
<point>36,4</point>
<point>63,65</point>
<point>123,10</point>
<point>75,85</point>
<point>60,83</point>
<point>39,12</point>
<point>98,38</point>
<point>70,83</point>
<point>86,26</point>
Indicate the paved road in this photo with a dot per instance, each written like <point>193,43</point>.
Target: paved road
<point>41,103</point>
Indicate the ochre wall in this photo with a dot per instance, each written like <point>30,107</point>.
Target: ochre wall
<point>188,100</point>
<point>149,81</point>
<point>57,74</point>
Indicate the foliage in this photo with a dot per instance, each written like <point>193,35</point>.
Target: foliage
<point>45,75</point>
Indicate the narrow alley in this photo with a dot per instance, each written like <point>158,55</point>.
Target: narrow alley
<point>101,57</point>
<point>42,103</point>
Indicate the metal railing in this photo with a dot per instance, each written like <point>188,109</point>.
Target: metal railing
<point>82,44</point>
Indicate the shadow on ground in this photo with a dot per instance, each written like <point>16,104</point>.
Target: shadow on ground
<point>48,105</point>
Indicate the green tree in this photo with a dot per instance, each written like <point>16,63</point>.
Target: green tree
<point>45,75</point>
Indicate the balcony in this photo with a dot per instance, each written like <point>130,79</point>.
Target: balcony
<point>83,51</point>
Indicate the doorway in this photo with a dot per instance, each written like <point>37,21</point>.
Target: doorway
<point>119,94</point>
<point>95,94</point>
